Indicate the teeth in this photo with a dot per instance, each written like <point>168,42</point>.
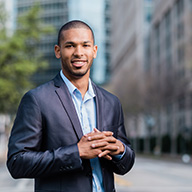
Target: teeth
<point>78,62</point>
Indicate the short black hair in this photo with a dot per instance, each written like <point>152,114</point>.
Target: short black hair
<point>71,25</point>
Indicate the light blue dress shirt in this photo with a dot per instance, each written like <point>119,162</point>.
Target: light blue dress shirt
<point>86,111</point>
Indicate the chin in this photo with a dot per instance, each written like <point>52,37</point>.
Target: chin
<point>80,73</point>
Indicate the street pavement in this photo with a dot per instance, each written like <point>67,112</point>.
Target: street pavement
<point>8,184</point>
<point>147,175</point>
<point>154,175</point>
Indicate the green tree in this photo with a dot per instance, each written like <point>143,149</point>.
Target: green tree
<point>19,58</point>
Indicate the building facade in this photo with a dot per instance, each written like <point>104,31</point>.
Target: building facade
<point>151,49</point>
<point>130,25</point>
<point>170,62</point>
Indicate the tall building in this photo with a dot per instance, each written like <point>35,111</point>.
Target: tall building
<point>54,13</point>
<point>130,21</point>
<point>58,12</point>
<point>170,61</point>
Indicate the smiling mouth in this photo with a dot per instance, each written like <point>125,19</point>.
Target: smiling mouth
<point>78,63</point>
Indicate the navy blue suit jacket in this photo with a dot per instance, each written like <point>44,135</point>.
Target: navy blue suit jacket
<point>44,137</point>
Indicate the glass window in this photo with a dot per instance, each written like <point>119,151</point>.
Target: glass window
<point>180,54</point>
<point>180,29</point>
<point>181,103</point>
<point>157,37</point>
<point>180,7</point>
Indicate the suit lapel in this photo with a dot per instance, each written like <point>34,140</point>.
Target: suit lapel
<point>99,106</point>
<point>66,100</point>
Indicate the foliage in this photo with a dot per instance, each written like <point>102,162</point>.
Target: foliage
<point>19,58</point>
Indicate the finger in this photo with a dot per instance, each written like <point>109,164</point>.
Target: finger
<point>111,148</point>
<point>96,136</point>
<point>100,135</point>
<point>104,153</point>
<point>106,143</point>
<point>100,144</point>
<point>108,157</point>
<point>111,139</point>
<point>96,130</point>
<point>108,133</point>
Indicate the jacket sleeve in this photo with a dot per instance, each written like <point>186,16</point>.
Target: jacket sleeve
<point>123,165</point>
<point>26,159</point>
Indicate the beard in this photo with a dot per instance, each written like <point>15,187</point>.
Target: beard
<point>76,72</point>
<point>79,73</point>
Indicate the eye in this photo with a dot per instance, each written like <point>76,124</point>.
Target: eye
<point>69,46</point>
<point>86,45</point>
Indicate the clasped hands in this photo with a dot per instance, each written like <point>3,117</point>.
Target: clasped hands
<point>99,144</point>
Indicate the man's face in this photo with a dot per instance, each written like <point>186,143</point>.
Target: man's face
<point>77,51</point>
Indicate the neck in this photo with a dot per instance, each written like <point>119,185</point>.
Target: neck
<point>81,83</point>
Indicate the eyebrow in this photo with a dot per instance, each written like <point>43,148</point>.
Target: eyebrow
<point>72,43</point>
<point>87,42</point>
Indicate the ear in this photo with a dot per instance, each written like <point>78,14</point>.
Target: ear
<point>57,51</point>
<point>95,51</point>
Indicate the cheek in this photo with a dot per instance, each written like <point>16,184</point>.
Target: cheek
<point>92,54</point>
<point>65,56</point>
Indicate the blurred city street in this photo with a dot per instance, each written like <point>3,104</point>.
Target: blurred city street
<point>147,175</point>
<point>153,175</point>
<point>144,58</point>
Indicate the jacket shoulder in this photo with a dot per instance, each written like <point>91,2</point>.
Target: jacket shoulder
<point>108,96</point>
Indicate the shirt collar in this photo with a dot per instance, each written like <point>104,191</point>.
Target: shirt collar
<point>72,88</point>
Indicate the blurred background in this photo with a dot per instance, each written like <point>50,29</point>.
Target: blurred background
<point>144,57</point>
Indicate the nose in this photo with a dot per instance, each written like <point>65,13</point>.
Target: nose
<point>78,52</point>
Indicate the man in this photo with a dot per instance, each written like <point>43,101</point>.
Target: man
<point>69,133</point>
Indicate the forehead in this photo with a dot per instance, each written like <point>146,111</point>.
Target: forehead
<point>77,34</point>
